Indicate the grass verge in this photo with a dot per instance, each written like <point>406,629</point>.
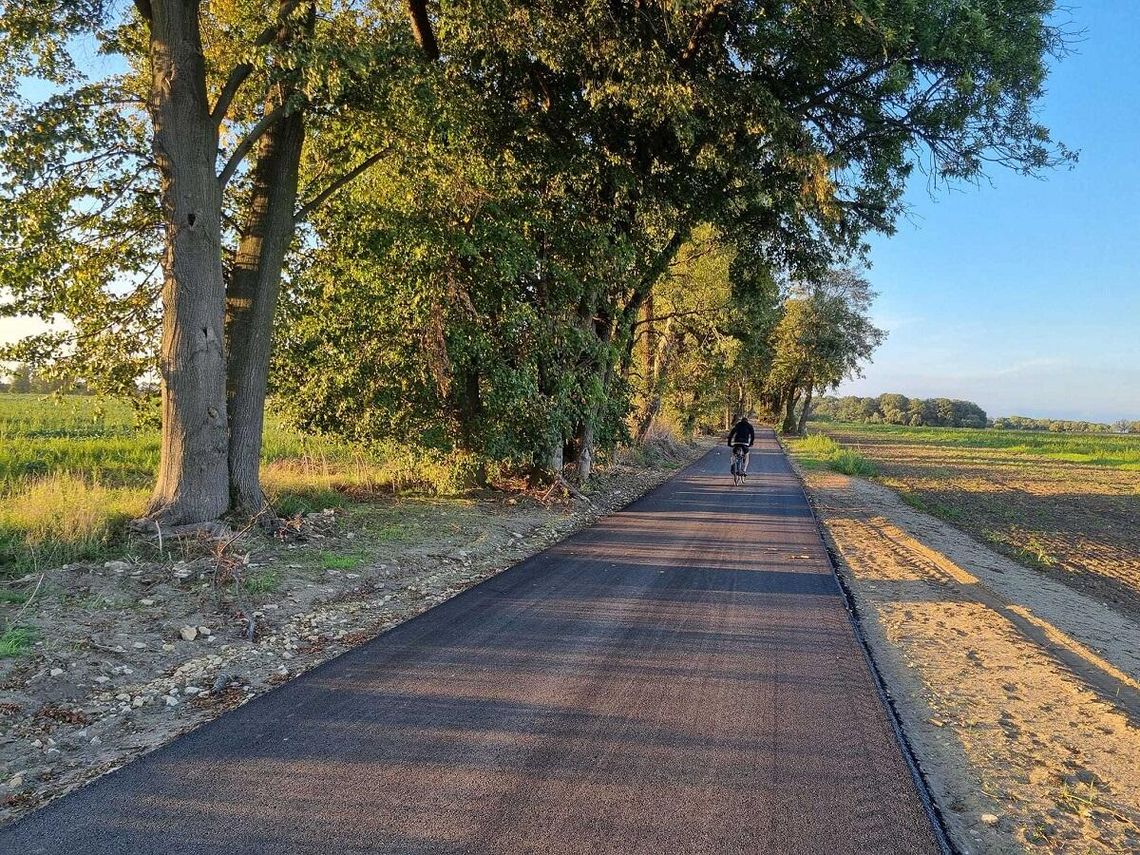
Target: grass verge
<point>817,451</point>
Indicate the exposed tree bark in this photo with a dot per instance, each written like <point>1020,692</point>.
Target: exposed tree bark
<point>659,370</point>
<point>792,395</point>
<point>650,341</point>
<point>192,482</point>
<point>806,411</point>
<point>251,296</point>
<point>422,30</point>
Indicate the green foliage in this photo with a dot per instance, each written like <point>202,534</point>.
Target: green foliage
<point>851,462</point>
<point>816,450</point>
<point>897,409</point>
<point>824,335</point>
<point>1062,425</point>
<point>704,327</point>
<point>476,290</point>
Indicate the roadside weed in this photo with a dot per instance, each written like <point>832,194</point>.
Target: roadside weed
<point>15,641</point>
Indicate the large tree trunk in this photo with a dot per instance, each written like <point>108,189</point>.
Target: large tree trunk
<point>251,301</point>
<point>192,483</point>
<point>251,298</point>
<point>658,369</point>
<point>789,423</point>
<point>806,411</point>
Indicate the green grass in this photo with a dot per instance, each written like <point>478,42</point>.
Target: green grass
<point>73,469</point>
<point>929,506</point>
<point>1118,451</point>
<point>333,561</point>
<point>264,582</point>
<point>10,597</point>
<point>15,641</point>
<point>817,451</point>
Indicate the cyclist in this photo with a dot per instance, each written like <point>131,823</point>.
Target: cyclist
<point>742,435</point>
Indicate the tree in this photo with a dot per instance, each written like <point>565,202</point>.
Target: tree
<point>894,408</point>
<point>21,379</point>
<point>790,126</point>
<point>117,196</point>
<point>823,337</point>
<point>706,328</point>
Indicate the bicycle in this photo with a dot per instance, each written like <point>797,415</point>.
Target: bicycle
<point>739,476</point>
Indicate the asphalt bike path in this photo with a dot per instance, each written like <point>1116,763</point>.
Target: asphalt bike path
<point>682,677</point>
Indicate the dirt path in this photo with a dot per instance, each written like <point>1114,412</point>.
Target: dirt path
<point>1020,695</point>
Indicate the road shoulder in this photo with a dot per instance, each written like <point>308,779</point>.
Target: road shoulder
<point>1018,695</point>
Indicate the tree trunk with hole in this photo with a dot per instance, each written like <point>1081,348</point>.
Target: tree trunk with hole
<point>193,483</point>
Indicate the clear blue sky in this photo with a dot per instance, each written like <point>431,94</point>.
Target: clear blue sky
<point>1024,296</point>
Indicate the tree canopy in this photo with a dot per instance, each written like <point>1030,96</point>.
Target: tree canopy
<point>497,226</point>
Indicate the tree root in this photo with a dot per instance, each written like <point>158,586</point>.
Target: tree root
<point>560,480</point>
<point>212,530</point>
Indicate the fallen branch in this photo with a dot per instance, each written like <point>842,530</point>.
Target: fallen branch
<point>560,480</point>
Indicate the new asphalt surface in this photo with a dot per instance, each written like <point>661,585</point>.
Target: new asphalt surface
<point>680,678</point>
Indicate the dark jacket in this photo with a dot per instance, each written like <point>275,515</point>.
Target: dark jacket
<point>742,434</point>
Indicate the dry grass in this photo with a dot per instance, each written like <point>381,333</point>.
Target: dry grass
<point>1071,513</point>
<point>73,469</point>
<point>61,517</point>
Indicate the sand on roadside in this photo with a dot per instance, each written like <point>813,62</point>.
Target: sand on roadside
<point>1020,695</point>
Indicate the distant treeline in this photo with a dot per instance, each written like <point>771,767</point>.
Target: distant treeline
<point>897,409</point>
<point>1065,425</point>
<point>894,409</point>
<point>22,379</point>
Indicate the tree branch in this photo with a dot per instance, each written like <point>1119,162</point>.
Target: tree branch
<point>704,24</point>
<point>255,133</point>
<point>237,77</point>
<point>322,197</point>
<point>421,29</point>
<point>705,310</point>
<point>242,70</point>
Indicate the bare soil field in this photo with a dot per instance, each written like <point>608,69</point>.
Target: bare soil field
<point>1019,695</point>
<point>125,655</point>
<point>1073,521</point>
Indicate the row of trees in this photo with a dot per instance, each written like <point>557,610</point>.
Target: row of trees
<point>465,225</point>
<point>23,378</point>
<point>1064,425</point>
<point>895,409</point>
